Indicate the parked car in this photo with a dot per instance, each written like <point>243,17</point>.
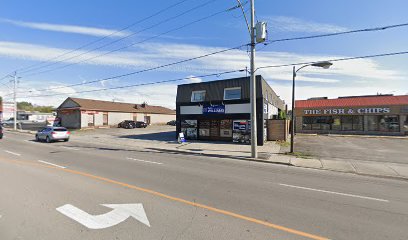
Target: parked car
<point>172,123</point>
<point>1,132</point>
<point>140,124</point>
<point>129,124</point>
<point>9,122</point>
<point>52,134</point>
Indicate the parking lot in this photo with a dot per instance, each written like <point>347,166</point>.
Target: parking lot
<point>354,148</point>
<point>162,133</point>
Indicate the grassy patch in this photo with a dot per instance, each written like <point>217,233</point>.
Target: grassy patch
<point>283,143</point>
<point>300,155</point>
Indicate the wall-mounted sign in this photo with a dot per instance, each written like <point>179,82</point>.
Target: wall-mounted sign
<point>346,111</point>
<point>89,112</point>
<point>214,109</point>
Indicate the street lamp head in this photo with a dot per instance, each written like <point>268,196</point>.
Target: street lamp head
<point>323,64</point>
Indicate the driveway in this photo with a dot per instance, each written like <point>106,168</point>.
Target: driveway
<point>392,150</point>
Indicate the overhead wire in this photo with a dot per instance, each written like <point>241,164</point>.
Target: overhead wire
<point>335,60</point>
<point>141,84</point>
<point>145,70</point>
<point>106,36</point>
<point>233,71</point>
<point>120,39</point>
<point>99,39</point>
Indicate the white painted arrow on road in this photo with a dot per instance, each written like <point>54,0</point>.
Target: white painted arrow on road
<point>120,213</point>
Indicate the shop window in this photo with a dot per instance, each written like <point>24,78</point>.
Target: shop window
<point>358,123</point>
<point>189,128</point>
<point>373,123</point>
<point>307,123</point>
<point>336,123</point>
<point>323,122</point>
<point>198,96</point>
<point>406,124</point>
<point>347,123</point>
<point>389,123</point>
<point>232,93</point>
<point>226,128</point>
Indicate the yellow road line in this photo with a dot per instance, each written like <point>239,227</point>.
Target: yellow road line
<point>213,209</point>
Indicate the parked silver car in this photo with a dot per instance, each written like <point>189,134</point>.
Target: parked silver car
<point>51,134</point>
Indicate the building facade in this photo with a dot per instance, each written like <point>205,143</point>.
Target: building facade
<point>78,113</point>
<point>371,115</point>
<point>220,110</point>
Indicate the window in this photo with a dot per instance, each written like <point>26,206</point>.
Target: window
<point>389,123</point>
<point>198,96</point>
<point>373,123</point>
<point>358,123</point>
<point>232,93</point>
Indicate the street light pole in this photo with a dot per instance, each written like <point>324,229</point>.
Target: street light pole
<point>254,142</point>
<point>15,100</point>
<point>292,132</point>
<point>323,64</point>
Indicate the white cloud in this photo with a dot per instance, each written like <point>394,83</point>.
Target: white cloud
<point>193,79</point>
<point>43,53</point>
<point>92,31</point>
<point>290,24</point>
<point>343,78</point>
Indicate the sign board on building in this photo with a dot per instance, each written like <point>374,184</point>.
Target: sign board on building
<point>346,111</point>
<point>181,138</point>
<point>214,109</point>
<point>8,110</point>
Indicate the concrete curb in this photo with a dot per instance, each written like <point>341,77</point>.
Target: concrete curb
<point>367,136</point>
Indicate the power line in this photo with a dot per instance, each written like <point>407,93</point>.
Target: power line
<point>222,73</point>
<point>336,60</point>
<point>106,36</point>
<point>146,70</point>
<point>272,41</point>
<point>141,84</point>
<point>339,33</point>
<point>120,39</point>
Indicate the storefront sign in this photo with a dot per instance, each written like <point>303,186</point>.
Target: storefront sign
<point>214,109</point>
<point>345,111</point>
<point>89,112</point>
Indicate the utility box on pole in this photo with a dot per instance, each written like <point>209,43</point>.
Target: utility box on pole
<point>261,32</point>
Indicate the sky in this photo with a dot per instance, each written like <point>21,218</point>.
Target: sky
<point>54,44</point>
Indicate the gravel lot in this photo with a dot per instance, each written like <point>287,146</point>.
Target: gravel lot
<point>393,150</point>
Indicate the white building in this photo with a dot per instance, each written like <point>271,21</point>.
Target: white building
<point>80,113</point>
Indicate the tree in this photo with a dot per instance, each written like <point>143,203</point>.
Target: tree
<point>27,106</point>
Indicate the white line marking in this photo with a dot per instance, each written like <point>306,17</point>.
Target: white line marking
<point>17,154</point>
<point>338,193</point>
<point>70,148</point>
<point>52,164</point>
<point>146,161</point>
<point>118,214</point>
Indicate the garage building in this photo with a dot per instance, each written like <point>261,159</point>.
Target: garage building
<point>78,113</point>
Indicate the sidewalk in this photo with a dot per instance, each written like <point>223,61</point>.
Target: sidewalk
<point>271,152</point>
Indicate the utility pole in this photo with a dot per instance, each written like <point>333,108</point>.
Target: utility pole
<point>254,142</point>
<point>15,100</point>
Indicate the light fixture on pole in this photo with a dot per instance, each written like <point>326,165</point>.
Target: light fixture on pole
<point>322,64</point>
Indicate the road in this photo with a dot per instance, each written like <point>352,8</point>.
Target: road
<point>56,191</point>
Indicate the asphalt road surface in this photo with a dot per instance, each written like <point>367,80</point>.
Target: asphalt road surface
<point>85,191</point>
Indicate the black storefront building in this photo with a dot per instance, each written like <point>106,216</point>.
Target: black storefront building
<point>220,110</point>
